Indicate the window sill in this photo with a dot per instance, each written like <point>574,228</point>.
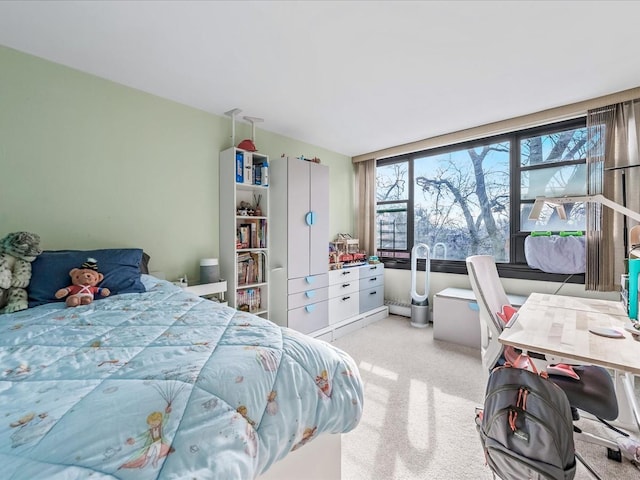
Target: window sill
<point>505,270</point>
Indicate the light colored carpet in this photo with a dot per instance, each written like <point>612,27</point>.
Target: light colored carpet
<point>418,420</point>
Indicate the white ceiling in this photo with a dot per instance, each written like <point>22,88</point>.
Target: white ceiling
<point>350,76</point>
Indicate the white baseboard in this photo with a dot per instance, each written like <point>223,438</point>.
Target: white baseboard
<point>348,325</point>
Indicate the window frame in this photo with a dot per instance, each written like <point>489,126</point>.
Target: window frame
<point>514,268</point>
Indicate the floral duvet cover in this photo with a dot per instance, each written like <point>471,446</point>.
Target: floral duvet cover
<point>163,385</point>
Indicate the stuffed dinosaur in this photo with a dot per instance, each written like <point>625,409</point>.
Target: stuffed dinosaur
<point>17,251</point>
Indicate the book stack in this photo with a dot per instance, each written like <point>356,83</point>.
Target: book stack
<point>250,268</point>
<point>248,300</point>
<point>252,235</point>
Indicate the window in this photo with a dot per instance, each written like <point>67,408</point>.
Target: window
<point>475,197</point>
<point>392,196</point>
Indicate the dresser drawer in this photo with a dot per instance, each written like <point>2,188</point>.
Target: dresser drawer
<point>342,275</point>
<point>309,318</point>
<point>300,299</point>
<point>372,270</point>
<point>346,287</point>
<point>302,284</point>
<point>371,298</point>
<point>343,307</point>
<point>373,281</point>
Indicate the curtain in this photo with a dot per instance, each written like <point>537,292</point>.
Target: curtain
<point>612,161</point>
<point>365,202</point>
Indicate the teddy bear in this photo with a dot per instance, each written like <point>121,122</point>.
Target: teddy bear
<point>84,285</point>
<point>17,251</point>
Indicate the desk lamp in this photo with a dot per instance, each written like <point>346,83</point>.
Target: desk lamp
<point>558,203</point>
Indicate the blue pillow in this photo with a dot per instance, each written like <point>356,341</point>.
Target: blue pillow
<point>50,272</point>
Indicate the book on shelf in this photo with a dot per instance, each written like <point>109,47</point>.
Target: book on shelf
<point>257,174</point>
<point>244,235</point>
<point>248,169</point>
<point>253,242</point>
<point>239,167</point>
<point>262,235</point>
<point>249,299</point>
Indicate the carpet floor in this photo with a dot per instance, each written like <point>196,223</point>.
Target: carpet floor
<point>418,420</point>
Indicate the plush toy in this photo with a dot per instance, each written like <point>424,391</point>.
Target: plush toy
<point>84,286</point>
<point>17,251</point>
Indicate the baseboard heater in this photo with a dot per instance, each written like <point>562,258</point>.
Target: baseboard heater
<point>398,308</point>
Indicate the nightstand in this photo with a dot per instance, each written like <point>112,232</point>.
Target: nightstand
<point>209,290</point>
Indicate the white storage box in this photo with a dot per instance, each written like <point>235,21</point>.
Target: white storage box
<point>456,317</point>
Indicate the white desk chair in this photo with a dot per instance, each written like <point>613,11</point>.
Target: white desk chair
<point>594,393</point>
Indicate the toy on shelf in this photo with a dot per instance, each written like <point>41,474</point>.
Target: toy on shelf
<point>344,251</point>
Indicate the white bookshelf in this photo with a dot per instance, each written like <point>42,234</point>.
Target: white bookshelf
<point>244,235</point>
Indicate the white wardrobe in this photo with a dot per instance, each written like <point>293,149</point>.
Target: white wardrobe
<point>299,243</point>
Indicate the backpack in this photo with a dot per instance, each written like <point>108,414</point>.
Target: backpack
<point>526,426</point>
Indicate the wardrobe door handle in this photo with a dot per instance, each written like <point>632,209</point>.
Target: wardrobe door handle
<point>310,218</point>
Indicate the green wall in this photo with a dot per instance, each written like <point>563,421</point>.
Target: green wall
<point>88,163</point>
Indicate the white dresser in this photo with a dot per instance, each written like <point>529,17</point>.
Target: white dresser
<point>355,299</point>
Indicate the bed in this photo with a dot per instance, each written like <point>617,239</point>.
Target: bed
<point>162,384</point>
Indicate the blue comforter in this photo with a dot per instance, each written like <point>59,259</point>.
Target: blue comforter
<point>163,384</point>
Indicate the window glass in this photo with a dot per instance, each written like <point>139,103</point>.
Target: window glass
<point>391,226</point>
<point>461,202</point>
<point>555,181</point>
<point>549,219</point>
<point>555,147</point>
<point>392,182</point>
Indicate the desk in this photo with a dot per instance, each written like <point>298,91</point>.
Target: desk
<point>558,327</point>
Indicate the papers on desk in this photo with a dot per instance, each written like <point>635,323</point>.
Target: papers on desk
<point>607,332</point>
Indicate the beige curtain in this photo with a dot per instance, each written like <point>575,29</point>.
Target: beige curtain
<point>612,166</point>
<point>365,202</point>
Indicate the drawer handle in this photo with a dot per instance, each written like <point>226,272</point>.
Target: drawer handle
<point>309,279</point>
<point>373,279</point>
<point>345,285</point>
<point>310,293</point>
<point>345,298</point>
<point>310,308</point>
<point>373,293</point>
<point>346,272</point>
<point>373,268</point>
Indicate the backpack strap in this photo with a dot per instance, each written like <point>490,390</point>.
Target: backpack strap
<point>526,363</point>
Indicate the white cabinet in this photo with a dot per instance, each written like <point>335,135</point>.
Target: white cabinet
<point>244,230</point>
<point>299,236</point>
<point>456,316</point>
